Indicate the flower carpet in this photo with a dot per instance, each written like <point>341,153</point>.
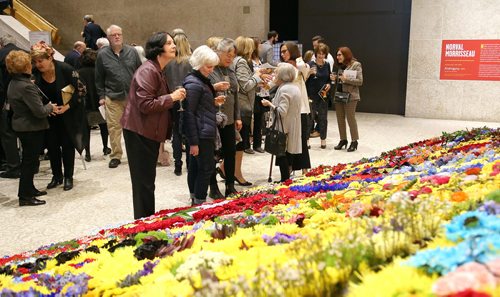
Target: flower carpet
<point>420,220</point>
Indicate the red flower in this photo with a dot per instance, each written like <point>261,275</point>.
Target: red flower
<point>376,211</point>
<point>473,171</point>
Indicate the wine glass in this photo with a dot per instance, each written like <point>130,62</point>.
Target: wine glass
<point>315,70</point>
<point>222,96</point>
<point>181,109</point>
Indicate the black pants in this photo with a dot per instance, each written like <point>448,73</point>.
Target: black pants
<point>302,160</point>
<point>319,112</point>
<point>284,163</point>
<point>142,154</point>
<point>60,147</point>
<point>9,144</point>
<point>201,168</point>
<point>32,143</point>
<point>103,128</point>
<point>227,136</point>
<point>245,138</point>
<point>177,141</point>
<point>258,113</point>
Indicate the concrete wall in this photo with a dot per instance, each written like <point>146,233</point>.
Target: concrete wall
<point>199,18</point>
<point>11,26</point>
<point>431,22</point>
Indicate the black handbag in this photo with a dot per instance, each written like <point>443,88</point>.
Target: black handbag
<point>275,143</point>
<point>341,97</point>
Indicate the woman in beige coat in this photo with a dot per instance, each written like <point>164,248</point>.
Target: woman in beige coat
<point>287,103</point>
<point>347,110</point>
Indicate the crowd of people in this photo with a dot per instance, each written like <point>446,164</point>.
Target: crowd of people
<point>210,102</point>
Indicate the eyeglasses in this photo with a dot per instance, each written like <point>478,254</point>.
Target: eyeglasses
<point>283,51</point>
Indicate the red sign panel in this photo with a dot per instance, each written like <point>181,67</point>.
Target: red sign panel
<point>470,60</point>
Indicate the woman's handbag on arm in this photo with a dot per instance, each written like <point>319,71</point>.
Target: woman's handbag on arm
<point>338,96</point>
<point>275,142</point>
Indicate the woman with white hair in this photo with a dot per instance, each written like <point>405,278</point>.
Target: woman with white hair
<point>200,124</point>
<point>226,50</point>
<point>287,103</point>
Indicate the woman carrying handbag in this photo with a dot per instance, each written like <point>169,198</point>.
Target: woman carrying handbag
<point>286,104</point>
<point>346,98</point>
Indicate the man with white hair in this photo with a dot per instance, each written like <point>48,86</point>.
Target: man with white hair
<point>114,69</point>
<point>102,42</point>
<point>91,32</point>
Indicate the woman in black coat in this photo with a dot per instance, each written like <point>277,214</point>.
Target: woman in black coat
<point>68,129</point>
<point>87,76</point>
<point>200,125</point>
<point>29,120</point>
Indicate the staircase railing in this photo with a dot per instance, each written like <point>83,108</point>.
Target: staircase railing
<point>34,21</point>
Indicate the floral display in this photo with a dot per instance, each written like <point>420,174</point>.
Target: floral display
<point>419,220</point>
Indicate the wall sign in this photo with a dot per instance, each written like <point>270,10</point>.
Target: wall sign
<point>470,60</point>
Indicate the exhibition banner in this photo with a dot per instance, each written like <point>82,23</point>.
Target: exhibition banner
<point>470,60</point>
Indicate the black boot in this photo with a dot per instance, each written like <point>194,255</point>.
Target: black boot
<point>68,183</point>
<point>55,182</point>
<point>230,190</point>
<point>215,192</point>
<point>178,169</point>
<point>353,146</point>
<point>342,143</point>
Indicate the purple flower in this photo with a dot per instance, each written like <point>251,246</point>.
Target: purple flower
<point>279,238</point>
<point>376,229</point>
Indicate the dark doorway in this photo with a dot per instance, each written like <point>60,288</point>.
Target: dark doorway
<point>284,15</point>
<point>377,31</point>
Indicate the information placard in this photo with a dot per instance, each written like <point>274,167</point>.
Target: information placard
<point>470,60</point>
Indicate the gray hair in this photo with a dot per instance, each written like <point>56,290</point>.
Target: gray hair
<point>88,18</point>
<point>285,72</point>
<point>203,55</point>
<point>225,45</point>
<point>101,42</point>
<point>108,31</point>
<point>6,39</point>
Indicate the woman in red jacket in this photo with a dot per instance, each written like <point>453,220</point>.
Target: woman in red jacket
<point>147,121</point>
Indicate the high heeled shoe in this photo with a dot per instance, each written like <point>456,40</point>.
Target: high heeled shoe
<point>221,173</point>
<point>342,143</point>
<point>353,146</point>
<point>242,183</point>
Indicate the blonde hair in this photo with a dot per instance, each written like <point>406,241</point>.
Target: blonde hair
<point>308,56</point>
<point>18,62</point>
<point>183,48</point>
<point>41,50</point>
<point>244,47</point>
<point>213,41</point>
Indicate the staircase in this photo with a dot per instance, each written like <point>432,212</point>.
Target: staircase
<point>34,21</point>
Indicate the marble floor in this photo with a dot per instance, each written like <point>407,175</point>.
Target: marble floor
<point>102,197</point>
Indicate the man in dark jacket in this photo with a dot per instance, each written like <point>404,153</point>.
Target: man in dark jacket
<point>7,135</point>
<point>73,57</point>
<point>91,32</point>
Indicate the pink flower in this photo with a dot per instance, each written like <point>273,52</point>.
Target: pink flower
<point>470,276</point>
<point>356,210</point>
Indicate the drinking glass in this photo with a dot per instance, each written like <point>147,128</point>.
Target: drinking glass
<point>315,70</point>
<point>181,109</point>
<point>221,94</point>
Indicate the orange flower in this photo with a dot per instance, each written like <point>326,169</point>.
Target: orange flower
<point>459,196</point>
<point>473,171</point>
